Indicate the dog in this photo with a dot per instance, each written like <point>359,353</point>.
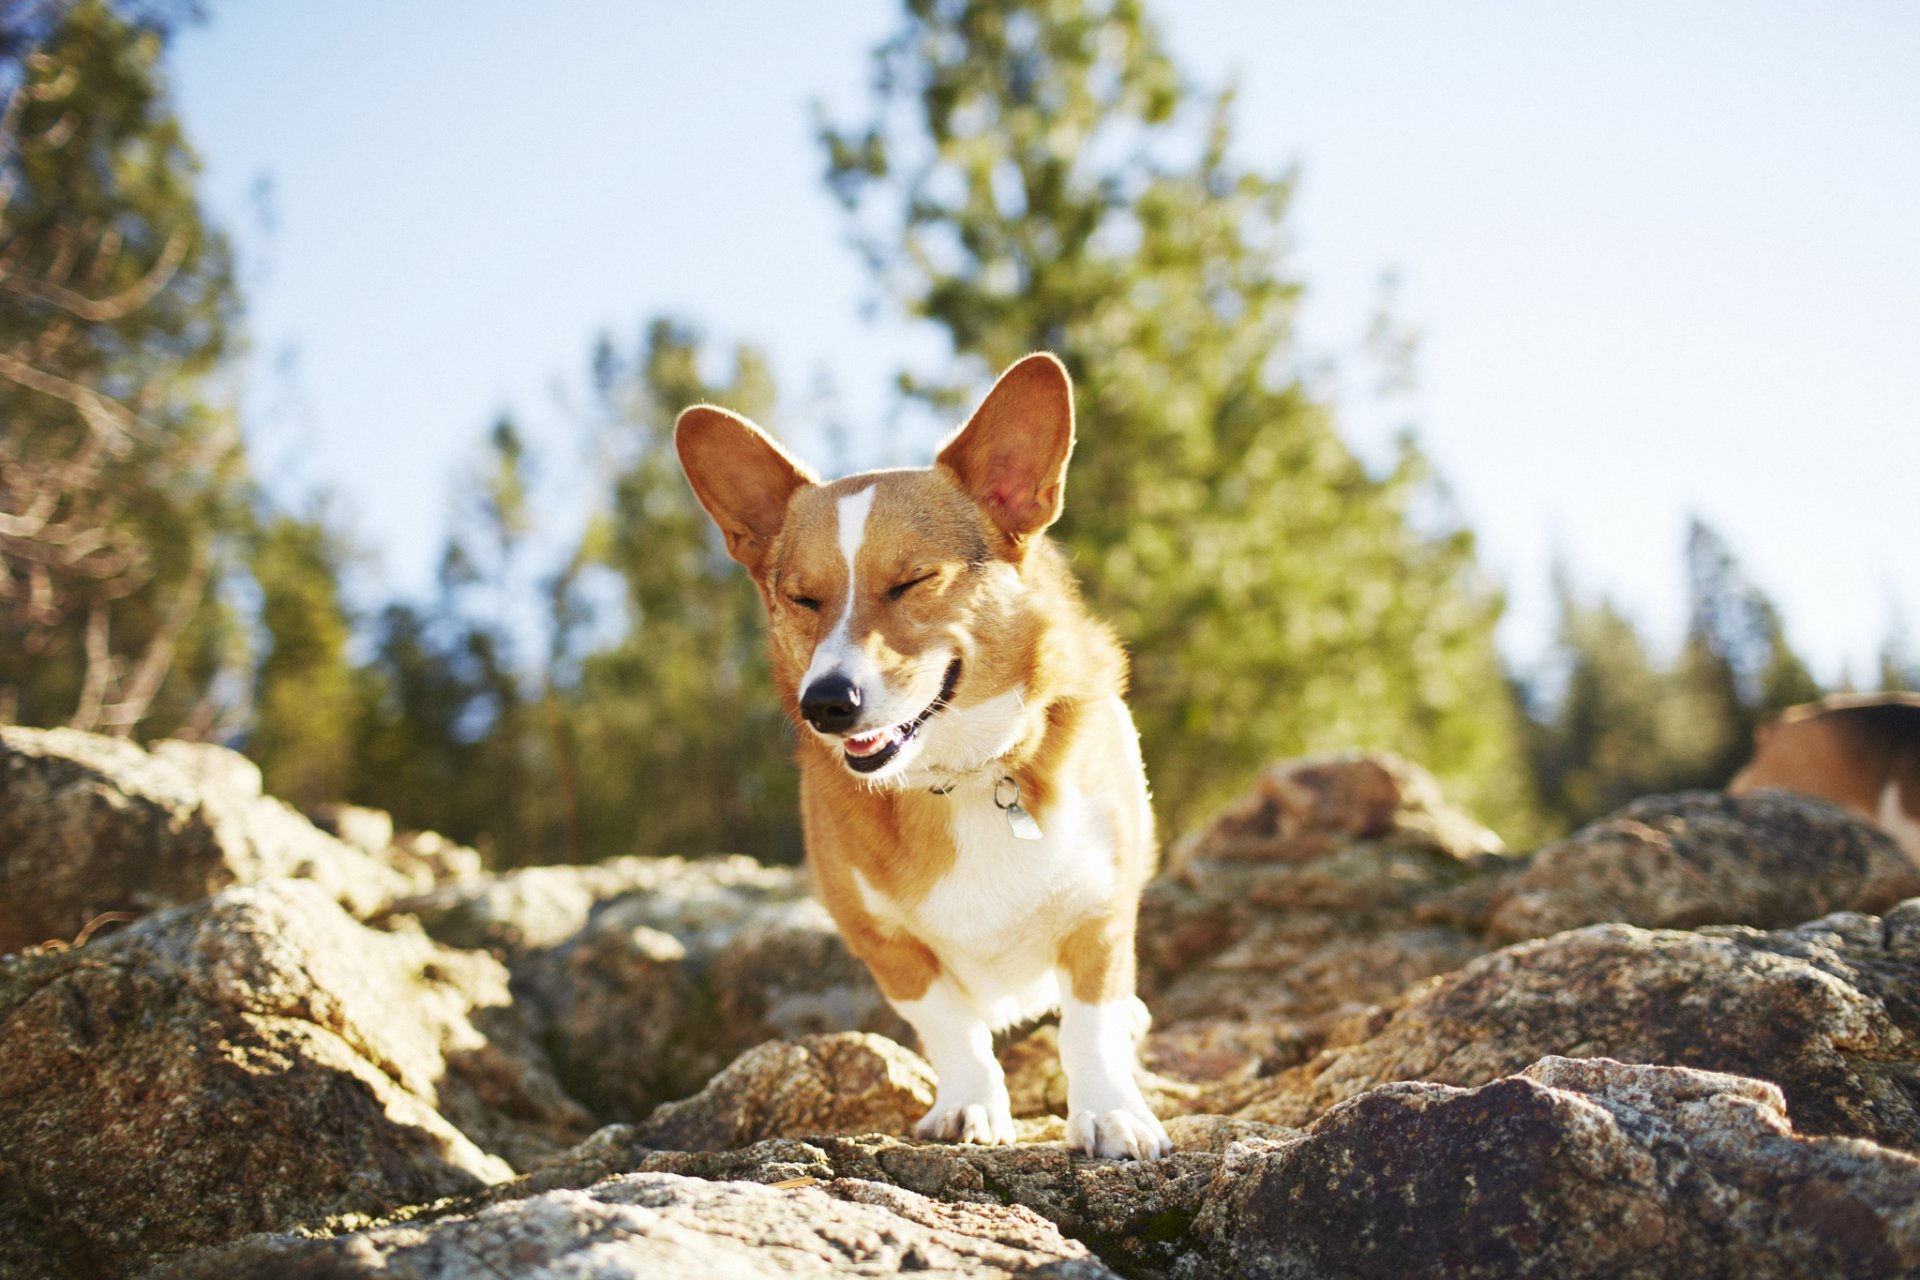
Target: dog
<point>1861,751</point>
<point>972,794</point>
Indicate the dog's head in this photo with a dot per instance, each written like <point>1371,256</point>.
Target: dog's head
<point>903,629</point>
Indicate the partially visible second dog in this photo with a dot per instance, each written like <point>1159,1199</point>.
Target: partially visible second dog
<point>1861,751</point>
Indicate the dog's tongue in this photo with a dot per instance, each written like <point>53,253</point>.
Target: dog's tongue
<point>868,743</point>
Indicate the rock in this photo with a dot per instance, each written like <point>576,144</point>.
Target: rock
<point>427,859</point>
<point>645,976</point>
<point>1251,965</point>
<point>1134,1214</point>
<point>90,825</point>
<point>659,1224</point>
<point>1570,1169</point>
<point>248,1063</point>
<point>1770,860</point>
<point>1273,940</point>
<point>1828,1012</point>
<point>846,1083</point>
<point>1302,810</point>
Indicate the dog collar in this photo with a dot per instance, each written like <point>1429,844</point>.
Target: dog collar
<point>1006,798</point>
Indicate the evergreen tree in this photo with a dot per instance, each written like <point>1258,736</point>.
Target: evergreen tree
<point>121,473</point>
<point>1626,726</point>
<point>1737,664</point>
<point>1037,175</point>
<point>449,738</point>
<point>680,744</point>
<point>306,692</point>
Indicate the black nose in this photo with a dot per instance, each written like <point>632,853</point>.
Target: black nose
<point>830,704</point>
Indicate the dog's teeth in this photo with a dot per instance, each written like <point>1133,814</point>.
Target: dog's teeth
<point>867,743</point>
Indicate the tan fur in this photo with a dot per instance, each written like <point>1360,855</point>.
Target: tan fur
<point>1848,749</point>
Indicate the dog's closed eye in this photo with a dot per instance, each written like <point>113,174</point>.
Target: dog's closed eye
<point>900,589</point>
<point>806,602</point>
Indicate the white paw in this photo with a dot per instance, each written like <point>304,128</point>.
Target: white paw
<point>1121,1134</point>
<point>988,1123</point>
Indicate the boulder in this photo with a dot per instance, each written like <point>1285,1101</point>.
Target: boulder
<point>660,1224</point>
<point>1331,886</point>
<point>426,858</point>
<point>1827,1012</point>
<point>645,976</point>
<point>91,825</point>
<point>845,1083</point>
<point>1272,939</point>
<point>1569,1169</point>
<point>1588,1168</point>
<point>1133,1214</point>
<point>1302,810</point>
<point>247,1063</point>
<point>1770,859</point>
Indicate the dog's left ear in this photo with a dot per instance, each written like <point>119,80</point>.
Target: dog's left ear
<point>1011,457</point>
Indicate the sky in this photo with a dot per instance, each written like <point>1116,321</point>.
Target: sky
<point>1663,260</point>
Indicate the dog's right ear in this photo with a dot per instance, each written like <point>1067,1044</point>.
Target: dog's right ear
<point>741,477</point>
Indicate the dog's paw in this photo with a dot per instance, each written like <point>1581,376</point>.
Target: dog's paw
<point>1129,1133</point>
<point>987,1123</point>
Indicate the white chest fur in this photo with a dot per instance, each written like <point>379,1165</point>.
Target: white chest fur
<point>996,919</point>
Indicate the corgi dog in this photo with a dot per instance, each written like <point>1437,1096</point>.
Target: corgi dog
<point>1861,751</point>
<point>972,795</point>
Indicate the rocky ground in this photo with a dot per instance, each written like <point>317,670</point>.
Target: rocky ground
<point>233,1043</point>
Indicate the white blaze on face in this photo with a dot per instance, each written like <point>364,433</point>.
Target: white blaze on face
<point>838,652</point>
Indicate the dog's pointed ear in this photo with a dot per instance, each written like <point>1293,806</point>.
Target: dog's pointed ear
<point>1011,457</point>
<point>741,477</point>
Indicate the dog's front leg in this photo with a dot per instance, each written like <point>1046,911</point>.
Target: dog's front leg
<point>971,1104</point>
<point>1099,1045</point>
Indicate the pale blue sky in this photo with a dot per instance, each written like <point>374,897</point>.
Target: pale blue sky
<point>1663,258</point>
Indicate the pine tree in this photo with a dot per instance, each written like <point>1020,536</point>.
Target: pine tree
<point>122,482</point>
<point>1737,663</point>
<point>680,744</point>
<point>306,692</point>
<point>1038,175</point>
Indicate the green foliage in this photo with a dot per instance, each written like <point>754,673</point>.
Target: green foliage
<point>306,695</point>
<point>1037,175</point>
<point>679,742</point>
<point>122,482</point>
<point>448,738</point>
<point>1625,726</point>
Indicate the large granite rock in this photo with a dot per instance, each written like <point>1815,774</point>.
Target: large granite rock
<point>1332,887</point>
<point>651,1225</point>
<point>846,1083</point>
<point>1769,859</point>
<point>247,1063</point>
<point>645,976</point>
<point>1586,1168</point>
<point>91,825</point>
<point>1569,1169</point>
<point>1829,1012</point>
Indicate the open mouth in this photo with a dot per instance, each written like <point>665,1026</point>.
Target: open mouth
<point>867,752</point>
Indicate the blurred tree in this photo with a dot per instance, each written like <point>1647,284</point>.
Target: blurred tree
<point>1737,665</point>
<point>1899,665</point>
<point>1038,175</point>
<point>122,481</point>
<point>1624,726</point>
<point>1606,741</point>
<point>306,692</point>
<point>448,737</point>
<point>681,746</point>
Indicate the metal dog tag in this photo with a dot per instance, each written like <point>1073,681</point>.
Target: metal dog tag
<point>1006,794</point>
